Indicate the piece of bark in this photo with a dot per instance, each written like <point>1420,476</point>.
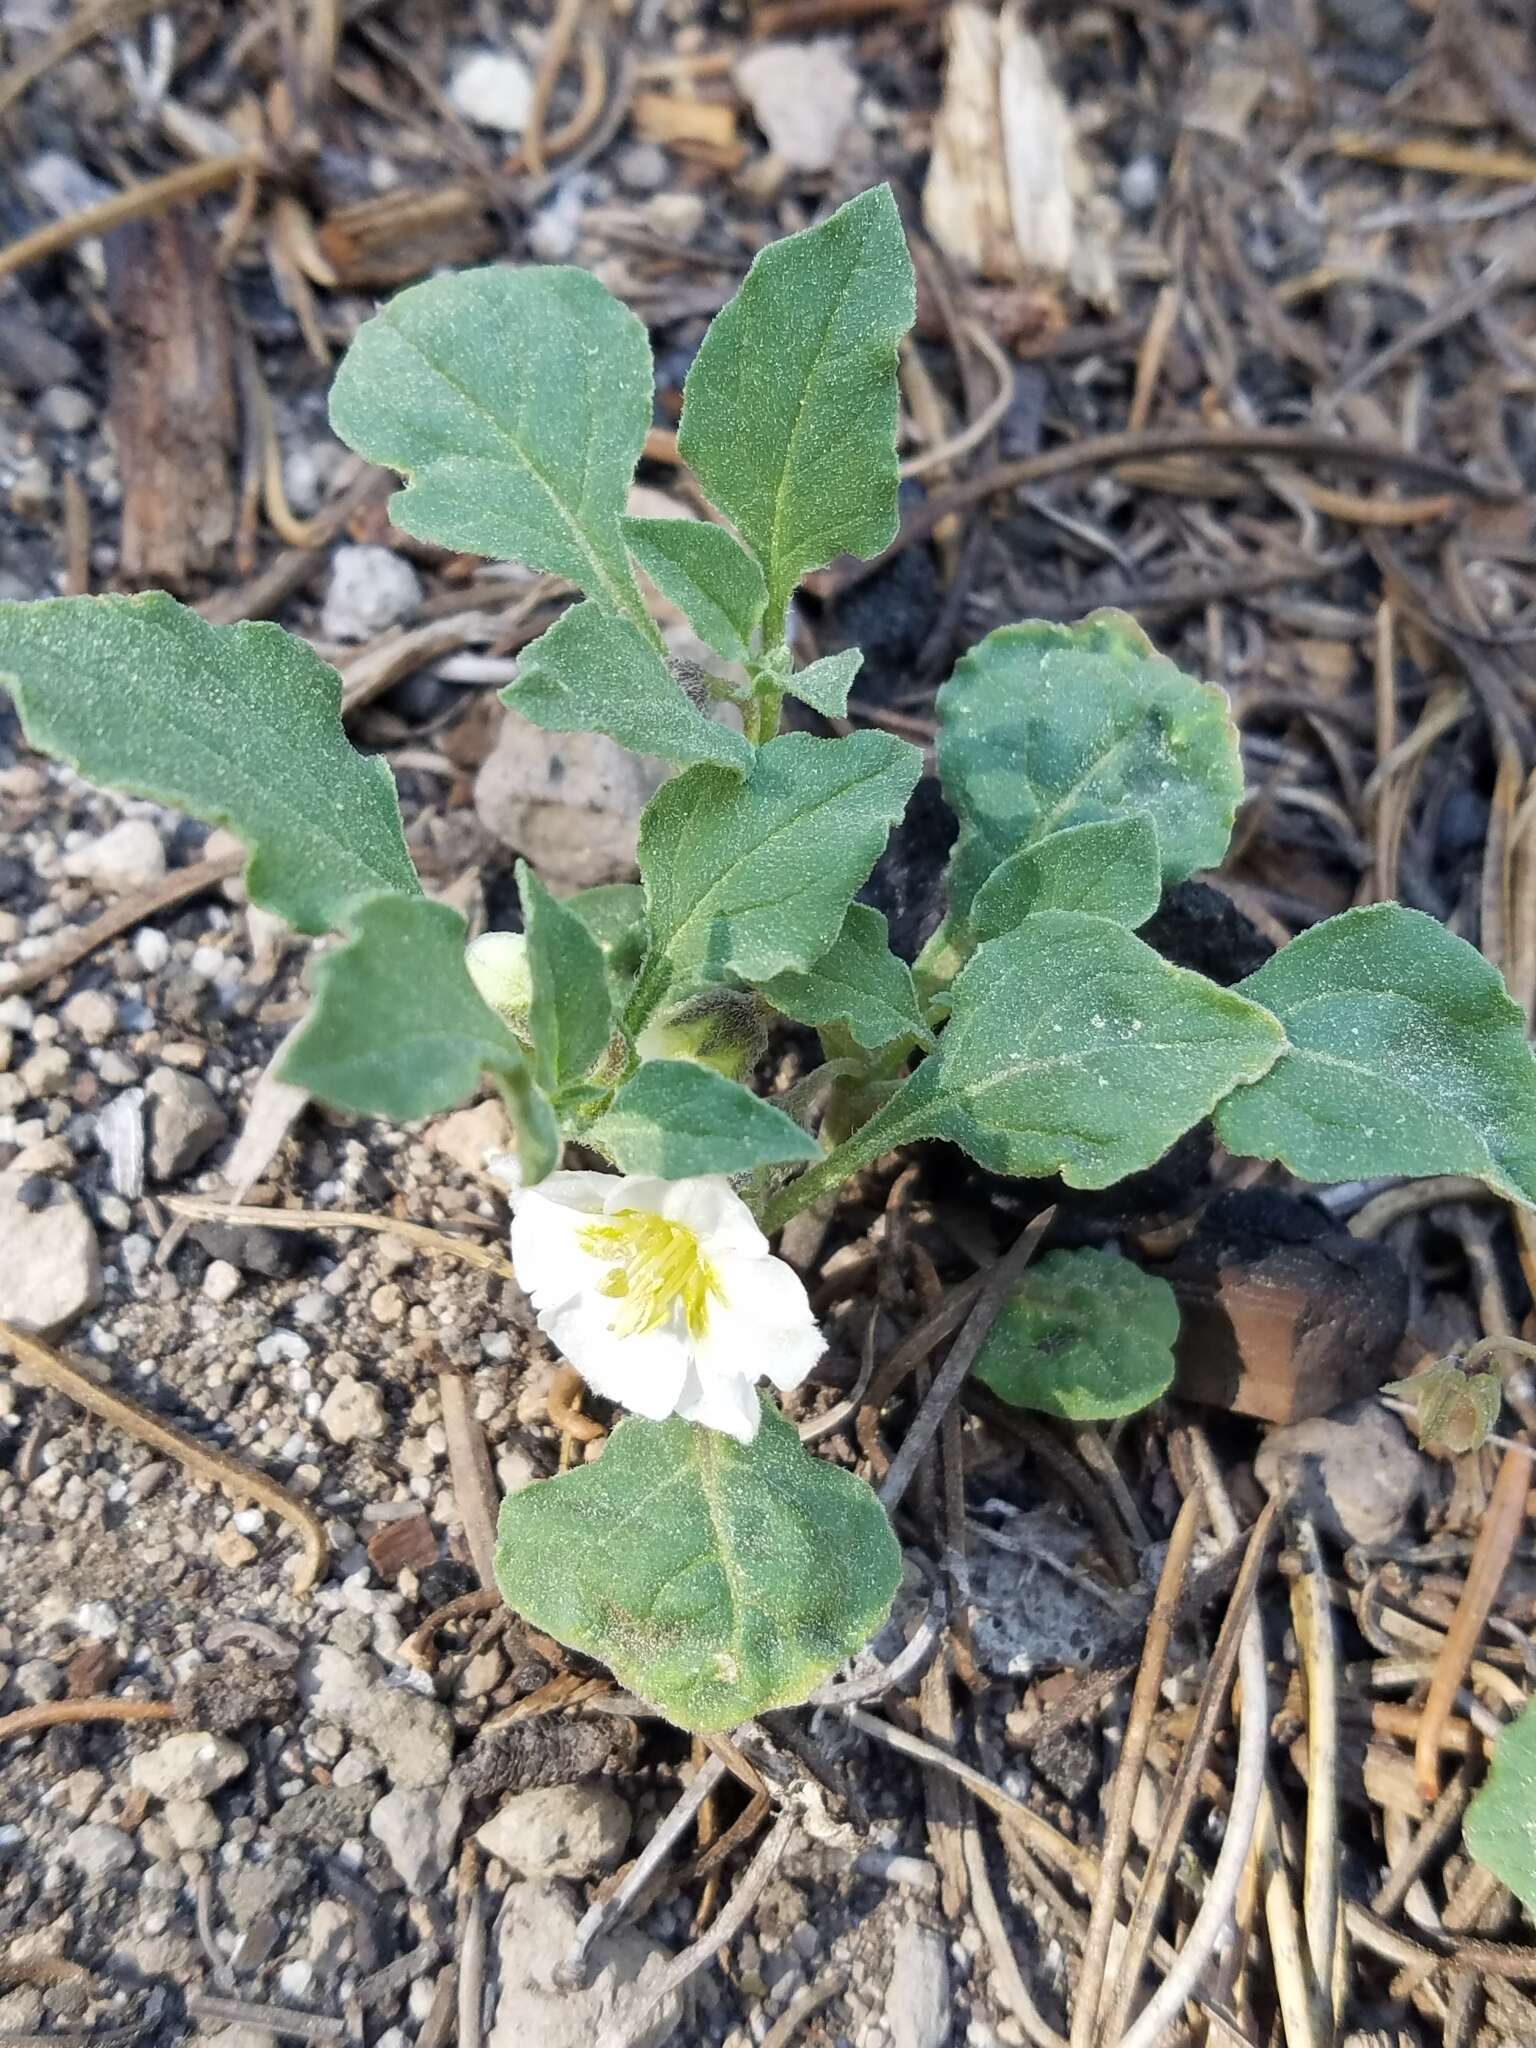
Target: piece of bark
<point>171,398</point>
<point>1283,1316</point>
<point>403,234</point>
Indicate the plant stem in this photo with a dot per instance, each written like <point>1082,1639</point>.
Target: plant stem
<point>761,716</point>
<point>886,1129</point>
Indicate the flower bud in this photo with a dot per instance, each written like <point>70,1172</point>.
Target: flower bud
<point>723,1028</point>
<point>498,966</point>
<point>1457,1405</point>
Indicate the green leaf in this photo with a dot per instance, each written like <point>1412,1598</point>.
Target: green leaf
<point>676,1119</point>
<point>1085,1335</point>
<point>515,403</point>
<point>570,1018</point>
<point>711,579</point>
<point>240,725</point>
<point>790,407</point>
<point>399,1031</point>
<point>754,875</point>
<point>1406,1056</point>
<point>1045,726</point>
<point>857,983</point>
<point>825,684</point>
<point>1500,1827</point>
<point>614,913</point>
<point>714,1579</point>
<point>1107,869</point>
<point>592,672</point>
<point>1073,1048</point>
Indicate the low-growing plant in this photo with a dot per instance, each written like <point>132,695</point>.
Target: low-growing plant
<point>709,1558</point>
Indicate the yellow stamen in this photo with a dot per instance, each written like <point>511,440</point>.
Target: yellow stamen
<point>656,1266</point>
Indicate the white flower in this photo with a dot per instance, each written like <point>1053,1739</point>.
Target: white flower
<point>663,1294</point>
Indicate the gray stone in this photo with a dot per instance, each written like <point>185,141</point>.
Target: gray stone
<point>803,96</point>
<point>93,1013</point>
<point>67,409</point>
<point>917,2000</point>
<point>353,1408</point>
<point>494,89</point>
<point>185,1121</point>
<point>190,1766</point>
<point>39,1679</point>
<point>120,1134</point>
<point>192,1824</point>
<point>123,861</point>
<point>534,1930</point>
<point>323,1816</point>
<point>236,2037</point>
<point>51,1269</point>
<point>642,167</point>
<point>370,588</point>
<point>1356,1471</point>
<point>330,1937</point>
<point>412,1735</point>
<point>419,1832</point>
<point>569,802</point>
<point>559,1831</point>
<point>98,1851</point>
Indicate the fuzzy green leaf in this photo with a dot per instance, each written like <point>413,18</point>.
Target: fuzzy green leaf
<point>1105,869</point>
<point>592,672</point>
<point>1045,726</point>
<point>676,1119</point>
<point>1500,1826</point>
<point>711,579</point>
<point>714,1579</point>
<point>515,403</point>
<point>825,684</point>
<point>398,1029</point>
<point>614,913</point>
<point>1073,1048</point>
<point>570,1018</point>
<point>753,876</point>
<point>1406,1056</point>
<point>790,407</point>
<point>240,725</point>
<point>1085,1335</point>
<point>857,983</point>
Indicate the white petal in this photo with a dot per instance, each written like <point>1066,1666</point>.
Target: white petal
<point>760,1323</point>
<point>724,1401</point>
<point>548,1256</point>
<point>635,1191</point>
<point>644,1372</point>
<point>583,1191</point>
<point>716,1214</point>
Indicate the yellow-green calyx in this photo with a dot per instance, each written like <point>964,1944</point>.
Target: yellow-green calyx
<point>723,1028</point>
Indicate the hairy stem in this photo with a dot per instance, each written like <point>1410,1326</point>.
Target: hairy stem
<point>886,1129</point>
